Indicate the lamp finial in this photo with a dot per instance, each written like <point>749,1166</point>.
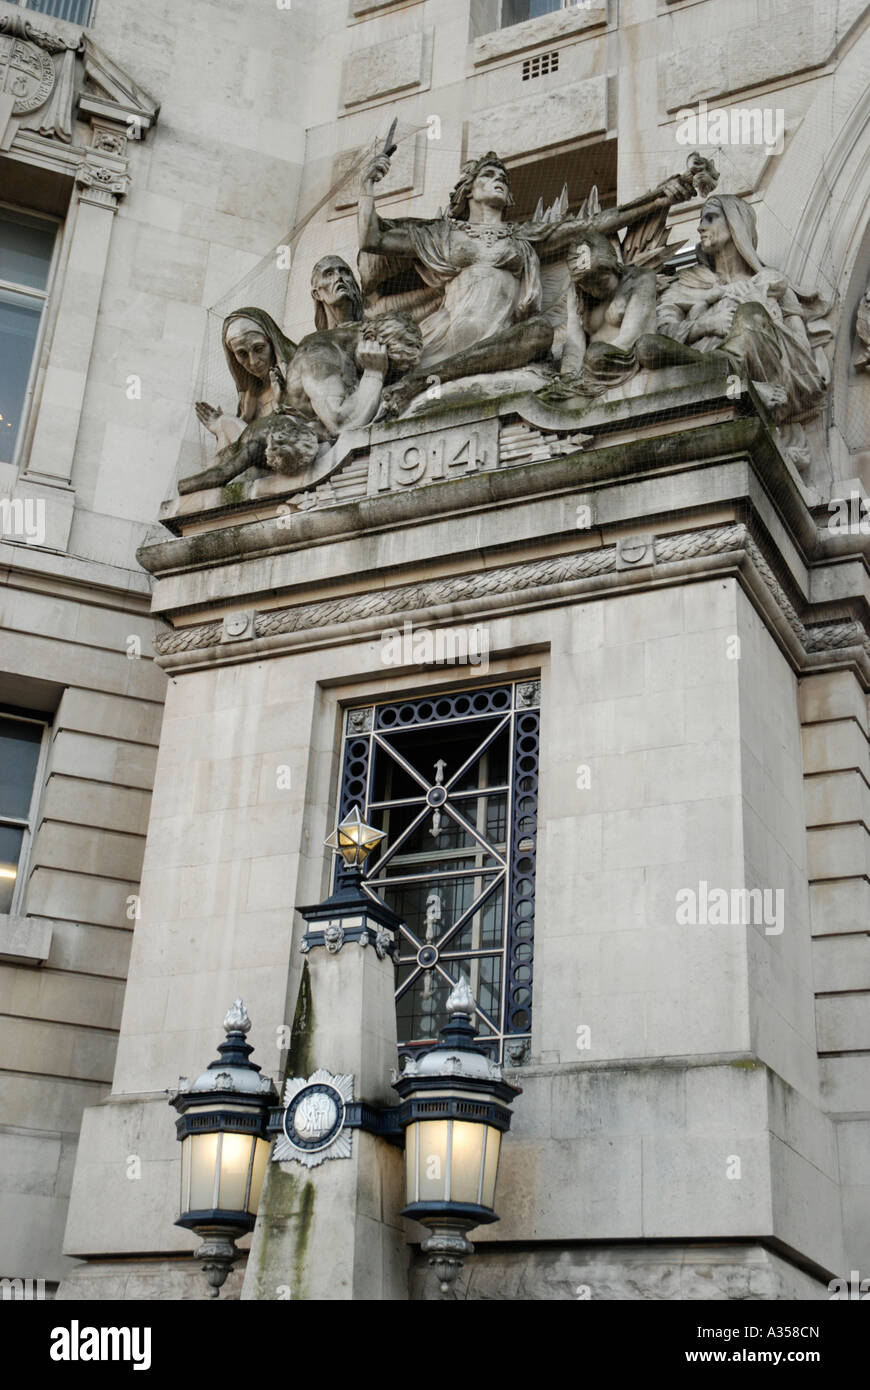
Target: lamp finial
<point>237,1020</point>
<point>461,999</point>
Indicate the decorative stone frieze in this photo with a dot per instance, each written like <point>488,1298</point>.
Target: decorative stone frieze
<point>48,91</point>
<point>41,64</point>
<point>502,587</point>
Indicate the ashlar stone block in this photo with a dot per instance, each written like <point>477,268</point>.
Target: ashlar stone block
<point>566,113</point>
<point>387,67</point>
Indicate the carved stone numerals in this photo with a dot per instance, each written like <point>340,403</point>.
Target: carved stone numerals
<point>433,459</point>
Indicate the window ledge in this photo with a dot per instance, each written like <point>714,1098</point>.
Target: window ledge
<point>547,28</point>
<point>25,940</point>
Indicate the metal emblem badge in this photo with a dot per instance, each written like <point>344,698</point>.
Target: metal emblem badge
<point>26,73</point>
<point>313,1128</point>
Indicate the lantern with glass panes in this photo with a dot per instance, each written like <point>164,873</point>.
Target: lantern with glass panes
<point>222,1126</point>
<point>351,914</point>
<point>456,1108</point>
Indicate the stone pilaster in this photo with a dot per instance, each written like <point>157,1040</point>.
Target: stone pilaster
<point>332,1232</point>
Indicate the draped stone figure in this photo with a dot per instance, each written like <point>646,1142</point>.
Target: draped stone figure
<point>253,345</point>
<point>336,378</point>
<point>289,410</point>
<point>332,383</point>
<point>613,304</point>
<point>486,314</point>
<point>733,304</point>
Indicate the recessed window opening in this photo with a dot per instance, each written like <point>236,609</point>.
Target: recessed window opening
<point>23,740</point>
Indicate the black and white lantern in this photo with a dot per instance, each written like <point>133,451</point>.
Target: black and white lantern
<point>456,1109</point>
<point>222,1127</point>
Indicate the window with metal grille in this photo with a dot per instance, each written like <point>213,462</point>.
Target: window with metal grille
<point>22,741</point>
<point>77,11</point>
<point>453,781</point>
<point>540,65</point>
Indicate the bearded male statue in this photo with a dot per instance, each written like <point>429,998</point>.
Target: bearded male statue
<point>288,412</point>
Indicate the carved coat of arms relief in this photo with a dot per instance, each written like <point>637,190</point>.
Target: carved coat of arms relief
<point>27,74</point>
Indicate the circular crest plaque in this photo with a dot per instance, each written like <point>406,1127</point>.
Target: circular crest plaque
<point>313,1126</point>
<point>26,73</point>
<point>314,1117</point>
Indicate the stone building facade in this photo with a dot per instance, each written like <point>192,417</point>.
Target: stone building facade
<point>674,611</point>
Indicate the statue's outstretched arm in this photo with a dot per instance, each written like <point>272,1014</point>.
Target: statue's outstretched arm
<point>562,234</point>
<point>375,235</point>
<point>675,190</point>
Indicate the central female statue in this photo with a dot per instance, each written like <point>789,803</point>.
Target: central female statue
<point>488,319</point>
<point>485,314</point>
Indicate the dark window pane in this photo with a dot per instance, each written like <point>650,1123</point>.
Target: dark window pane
<point>516,11</point>
<point>485,929</point>
<point>19,325</point>
<point>19,755</point>
<point>10,853</point>
<point>429,910</point>
<point>421,1010</point>
<point>77,11</point>
<point>26,244</point>
<point>424,748</point>
<point>450,836</point>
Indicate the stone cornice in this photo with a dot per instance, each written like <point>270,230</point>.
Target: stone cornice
<point>80,580</point>
<point>702,477</point>
<point>558,579</point>
<point>597,467</point>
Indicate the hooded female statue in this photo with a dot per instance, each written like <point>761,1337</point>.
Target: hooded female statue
<point>733,303</point>
<point>254,346</point>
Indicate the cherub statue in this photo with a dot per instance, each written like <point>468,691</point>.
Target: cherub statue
<point>613,302</point>
<point>490,312</point>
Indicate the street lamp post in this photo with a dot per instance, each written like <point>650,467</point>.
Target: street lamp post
<point>222,1127</point>
<point>455,1110</point>
<point>455,1107</point>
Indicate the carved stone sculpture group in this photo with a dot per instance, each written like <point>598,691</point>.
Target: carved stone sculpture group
<point>568,304</point>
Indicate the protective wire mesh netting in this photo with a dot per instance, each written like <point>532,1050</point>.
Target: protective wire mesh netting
<point>267,287</point>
